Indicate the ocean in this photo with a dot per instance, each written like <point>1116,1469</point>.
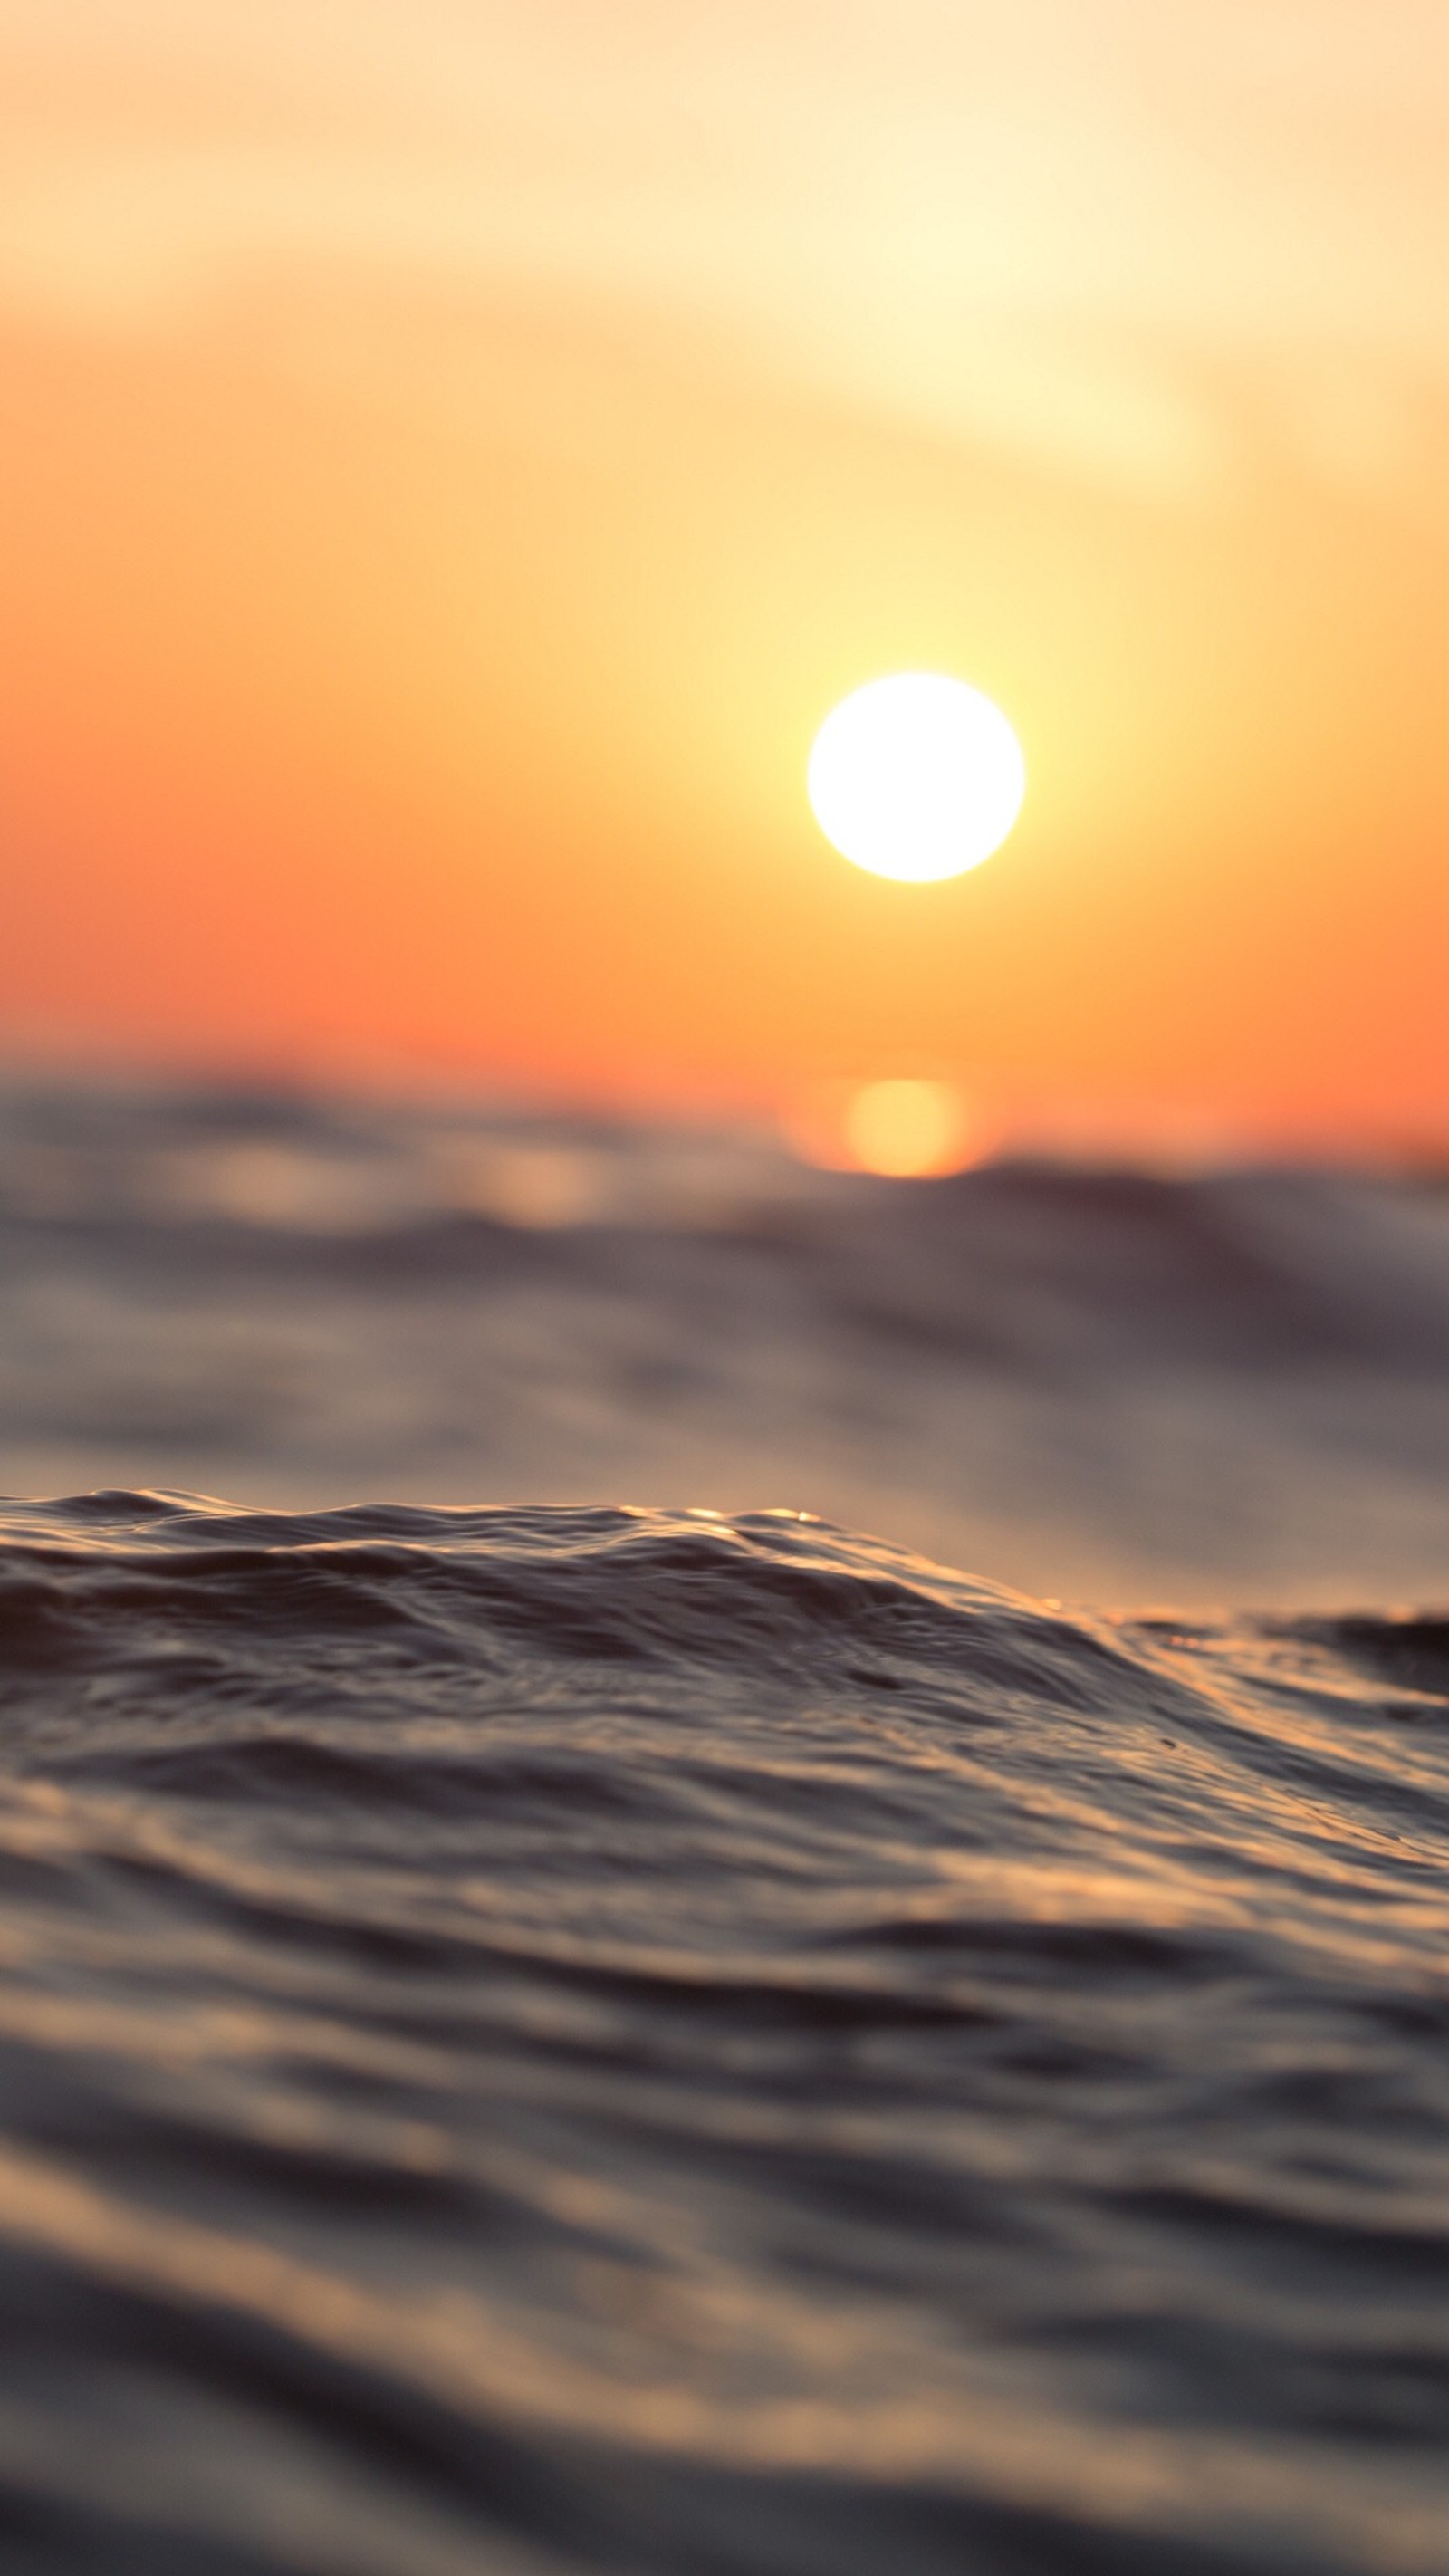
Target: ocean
<point>575,1997</point>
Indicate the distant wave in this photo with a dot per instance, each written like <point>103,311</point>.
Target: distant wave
<point>585,2039</point>
<point>1229,1385</point>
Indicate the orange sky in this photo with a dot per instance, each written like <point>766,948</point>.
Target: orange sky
<point>453,454</point>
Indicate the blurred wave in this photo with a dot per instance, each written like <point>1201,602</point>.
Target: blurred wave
<point>590,2039</point>
<point>1094,1382</point>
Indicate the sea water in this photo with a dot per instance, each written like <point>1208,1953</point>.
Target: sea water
<point>697,2042</point>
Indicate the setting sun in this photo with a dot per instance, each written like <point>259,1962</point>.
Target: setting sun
<point>916,777</point>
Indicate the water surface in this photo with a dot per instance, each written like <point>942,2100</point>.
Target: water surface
<point>567,2039</point>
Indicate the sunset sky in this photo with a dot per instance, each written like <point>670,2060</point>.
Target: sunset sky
<point>454,453</point>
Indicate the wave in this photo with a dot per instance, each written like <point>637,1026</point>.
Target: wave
<point>1233,1384</point>
<point>593,2039</point>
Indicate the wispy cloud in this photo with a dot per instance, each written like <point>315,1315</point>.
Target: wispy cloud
<point>1038,223</point>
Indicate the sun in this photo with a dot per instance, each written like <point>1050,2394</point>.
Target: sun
<point>916,777</point>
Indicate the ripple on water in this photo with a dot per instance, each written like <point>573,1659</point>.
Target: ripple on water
<point>597,2039</point>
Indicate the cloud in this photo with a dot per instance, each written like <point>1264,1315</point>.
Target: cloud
<point>1019,222</point>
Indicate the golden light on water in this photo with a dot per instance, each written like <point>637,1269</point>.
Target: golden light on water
<point>904,1128</point>
<point>916,777</point>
